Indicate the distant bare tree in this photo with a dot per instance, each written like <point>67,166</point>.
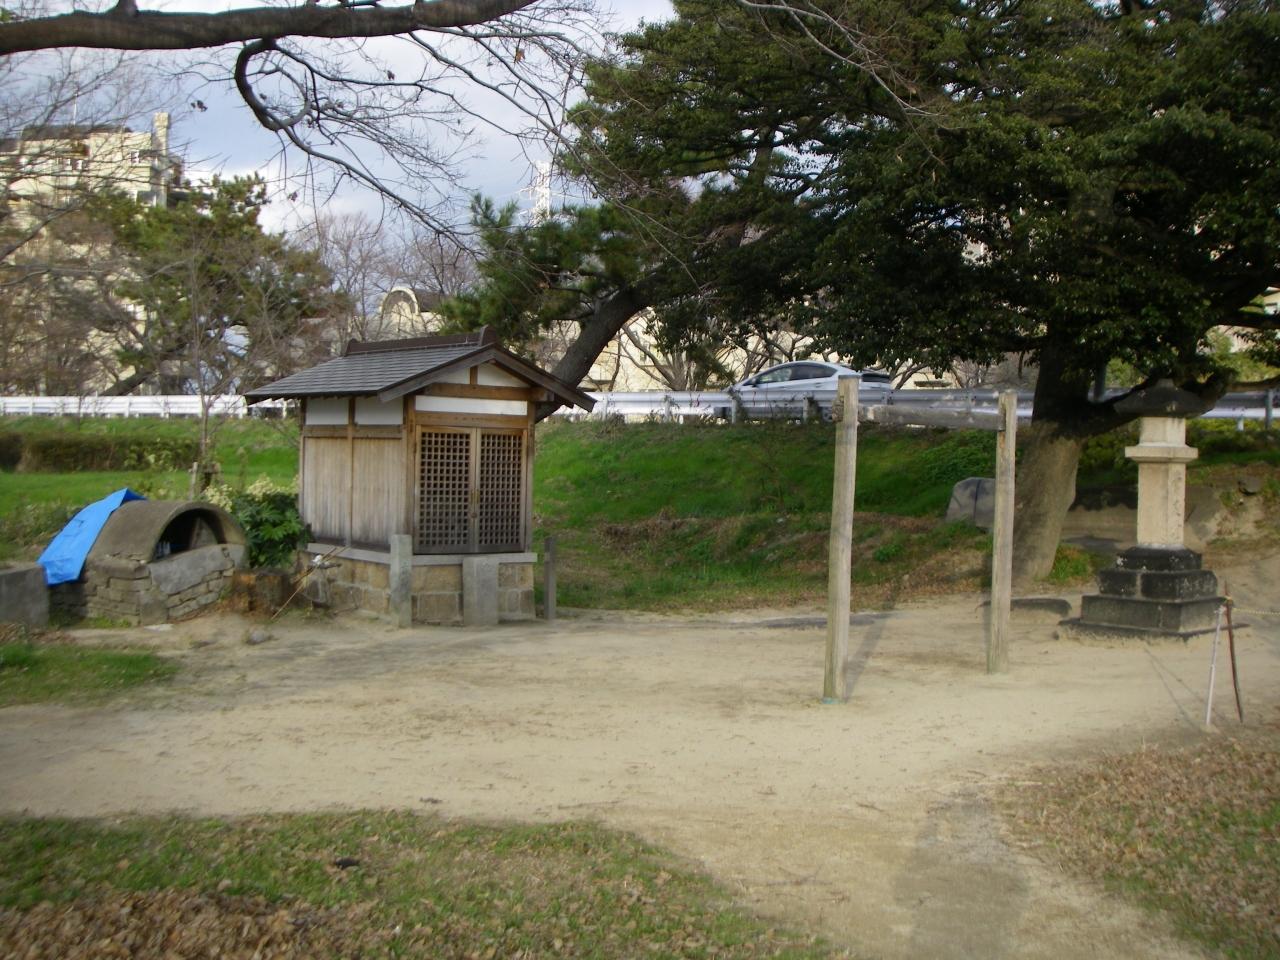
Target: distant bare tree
<point>362,255</point>
<point>384,96</point>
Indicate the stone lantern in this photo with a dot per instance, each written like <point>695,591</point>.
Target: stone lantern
<point>1157,588</point>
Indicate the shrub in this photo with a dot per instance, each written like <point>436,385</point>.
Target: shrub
<point>269,514</point>
<point>67,451</point>
<point>10,449</point>
<point>1103,455</point>
<point>33,524</point>
<point>959,455</point>
<point>1224,437</point>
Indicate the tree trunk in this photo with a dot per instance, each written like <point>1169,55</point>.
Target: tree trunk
<point>1063,418</point>
<point>609,316</point>
<point>1046,488</point>
<point>129,384</point>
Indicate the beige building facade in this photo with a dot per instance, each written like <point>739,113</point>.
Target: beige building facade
<point>48,167</point>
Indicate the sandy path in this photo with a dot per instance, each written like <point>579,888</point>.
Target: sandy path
<point>869,819</point>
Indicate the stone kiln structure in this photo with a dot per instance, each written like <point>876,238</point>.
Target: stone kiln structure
<point>416,475</point>
<point>156,560</point>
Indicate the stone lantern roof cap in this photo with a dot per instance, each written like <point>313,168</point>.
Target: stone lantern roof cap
<point>1163,399</point>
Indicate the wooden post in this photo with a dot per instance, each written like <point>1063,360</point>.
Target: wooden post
<point>549,579</point>
<point>1002,537</point>
<point>840,553</point>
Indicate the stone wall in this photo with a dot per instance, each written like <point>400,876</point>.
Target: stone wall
<point>175,588</point>
<point>359,579</point>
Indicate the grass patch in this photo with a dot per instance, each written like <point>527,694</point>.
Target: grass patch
<point>1193,832</point>
<point>34,671</point>
<point>370,884</point>
<point>1073,566</point>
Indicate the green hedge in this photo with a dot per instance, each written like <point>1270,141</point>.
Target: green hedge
<point>10,449</point>
<point>67,451</point>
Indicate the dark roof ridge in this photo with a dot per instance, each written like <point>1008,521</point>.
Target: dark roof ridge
<point>477,338</point>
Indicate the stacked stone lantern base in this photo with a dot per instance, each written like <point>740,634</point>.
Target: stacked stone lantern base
<point>1156,589</point>
<point>1152,591</point>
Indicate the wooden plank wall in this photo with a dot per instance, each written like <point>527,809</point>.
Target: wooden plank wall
<point>378,510</point>
<point>326,487</point>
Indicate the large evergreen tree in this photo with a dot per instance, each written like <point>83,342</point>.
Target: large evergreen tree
<point>953,180</point>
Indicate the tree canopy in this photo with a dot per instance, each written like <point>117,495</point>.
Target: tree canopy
<point>217,303</point>
<point>192,297</point>
<point>1078,182</point>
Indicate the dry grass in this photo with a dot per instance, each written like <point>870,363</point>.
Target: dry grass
<point>371,884</point>
<point>1194,831</point>
<point>172,923</point>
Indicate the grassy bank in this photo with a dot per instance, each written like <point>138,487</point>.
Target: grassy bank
<point>659,515</point>
<point>662,516</point>
<point>368,884</point>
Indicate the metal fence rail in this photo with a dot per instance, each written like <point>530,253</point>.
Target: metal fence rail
<point>646,405</point>
<point>177,405</point>
<point>710,404</point>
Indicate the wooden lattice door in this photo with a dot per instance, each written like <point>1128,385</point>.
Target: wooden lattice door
<point>471,491</point>
<point>444,491</point>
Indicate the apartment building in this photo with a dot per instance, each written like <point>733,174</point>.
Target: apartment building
<point>48,167</point>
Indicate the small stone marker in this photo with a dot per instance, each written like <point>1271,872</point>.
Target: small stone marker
<point>973,500</point>
<point>480,591</point>
<point>401,580</point>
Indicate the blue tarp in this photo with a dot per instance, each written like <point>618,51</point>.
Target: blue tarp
<point>63,558</point>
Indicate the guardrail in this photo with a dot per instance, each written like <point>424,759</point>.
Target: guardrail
<point>713,404</point>
<point>651,404</point>
<point>175,405</point>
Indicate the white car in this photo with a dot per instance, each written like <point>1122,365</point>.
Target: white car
<point>783,389</point>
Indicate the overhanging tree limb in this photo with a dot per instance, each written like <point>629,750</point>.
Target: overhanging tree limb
<point>125,28</point>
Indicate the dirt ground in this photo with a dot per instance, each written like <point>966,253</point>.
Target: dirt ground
<point>870,821</point>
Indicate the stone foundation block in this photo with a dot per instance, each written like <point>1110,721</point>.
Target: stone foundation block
<point>438,578</point>
<point>437,608</point>
<point>378,576</point>
<point>1158,559</point>
<point>1150,616</point>
<point>24,597</point>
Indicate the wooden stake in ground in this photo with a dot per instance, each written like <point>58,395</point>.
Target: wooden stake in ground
<point>1002,536</point>
<point>835,688</point>
<point>549,579</point>
<point>1213,672</point>
<point>1231,648</point>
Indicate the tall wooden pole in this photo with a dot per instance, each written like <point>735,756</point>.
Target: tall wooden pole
<point>1002,537</point>
<point>840,555</point>
<point>549,578</point>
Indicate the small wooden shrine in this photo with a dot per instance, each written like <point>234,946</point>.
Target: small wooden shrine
<point>429,439</point>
